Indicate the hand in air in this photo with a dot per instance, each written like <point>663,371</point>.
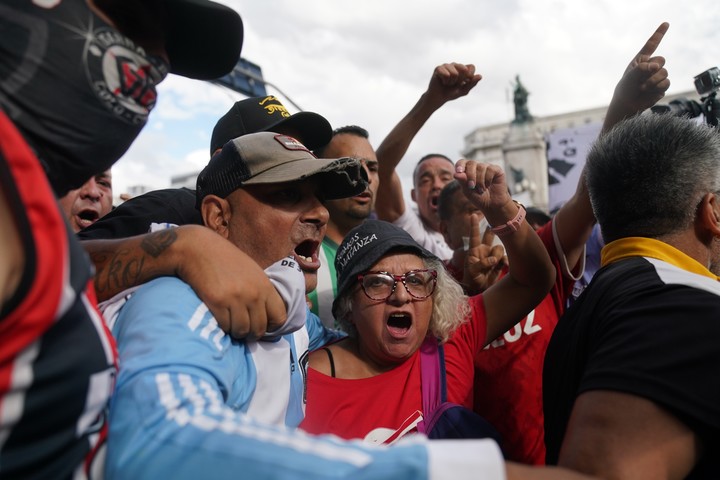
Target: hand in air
<point>645,80</point>
<point>452,80</point>
<point>484,261</point>
<point>483,183</point>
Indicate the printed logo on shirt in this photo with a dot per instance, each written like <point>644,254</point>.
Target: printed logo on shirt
<point>123,77</point>
<point>290,262</point>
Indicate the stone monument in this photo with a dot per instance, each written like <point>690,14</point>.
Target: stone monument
<point>524,152</point>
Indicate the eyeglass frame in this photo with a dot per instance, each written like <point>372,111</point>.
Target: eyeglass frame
<point>396,279</point>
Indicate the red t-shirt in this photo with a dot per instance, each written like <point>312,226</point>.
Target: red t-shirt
<point>385,407</point>
<point>508,372</point>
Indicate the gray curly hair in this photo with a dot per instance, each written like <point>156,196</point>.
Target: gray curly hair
<point>450,305</point>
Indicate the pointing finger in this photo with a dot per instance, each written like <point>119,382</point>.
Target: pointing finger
<point>654,41</point>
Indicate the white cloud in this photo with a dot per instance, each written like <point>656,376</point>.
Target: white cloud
<point>366,63</point>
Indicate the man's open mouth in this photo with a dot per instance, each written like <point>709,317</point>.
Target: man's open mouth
<point>306,255</point>
<point>87,217</point>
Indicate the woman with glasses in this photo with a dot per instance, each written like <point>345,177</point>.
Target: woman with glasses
<point>394,297</point>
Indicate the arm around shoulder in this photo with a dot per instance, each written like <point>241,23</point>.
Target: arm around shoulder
<point>234,287</point>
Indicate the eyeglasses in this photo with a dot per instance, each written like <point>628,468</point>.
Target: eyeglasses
<point>420,284</point>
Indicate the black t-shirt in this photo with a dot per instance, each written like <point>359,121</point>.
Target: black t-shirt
<point>135,216</point>
<point>646,328</point>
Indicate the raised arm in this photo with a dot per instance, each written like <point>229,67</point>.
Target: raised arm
<point>531,273</point>
<point>635,437</point>
<point>232,285</point>
<point>644,82</point>
<point>448,82</point>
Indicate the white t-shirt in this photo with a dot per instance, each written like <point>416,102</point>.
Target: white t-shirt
<point>431,240</point>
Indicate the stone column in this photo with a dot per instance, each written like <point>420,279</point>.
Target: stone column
<point>525,156</point>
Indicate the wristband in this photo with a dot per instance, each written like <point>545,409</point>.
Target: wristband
<point>512,225</point>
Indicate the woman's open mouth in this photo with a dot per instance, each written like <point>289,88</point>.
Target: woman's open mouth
<point>399,324</point>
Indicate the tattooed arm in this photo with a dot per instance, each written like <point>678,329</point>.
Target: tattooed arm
<point>232,285</point>
<point>120,264</point>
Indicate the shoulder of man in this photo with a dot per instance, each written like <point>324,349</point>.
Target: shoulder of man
<point>135,216</point>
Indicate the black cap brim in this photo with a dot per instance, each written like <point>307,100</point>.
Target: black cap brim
<point>204,38</point>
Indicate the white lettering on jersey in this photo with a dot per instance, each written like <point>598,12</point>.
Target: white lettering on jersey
<point>525,326</point>
<point>211,328</point>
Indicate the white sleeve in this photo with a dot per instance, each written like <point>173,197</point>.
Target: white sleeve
<point>110,308</point>
<point>465,460</point>
<point>431,241</point>
<point>288,279</point>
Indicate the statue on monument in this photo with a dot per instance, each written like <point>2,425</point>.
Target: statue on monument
<point>520,95</point>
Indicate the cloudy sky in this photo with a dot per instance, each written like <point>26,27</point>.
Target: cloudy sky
<point>366,63</point>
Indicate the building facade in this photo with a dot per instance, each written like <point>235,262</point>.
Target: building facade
<point>543,154</point>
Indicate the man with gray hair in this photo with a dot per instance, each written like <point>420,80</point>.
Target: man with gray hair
<point>630,387</point>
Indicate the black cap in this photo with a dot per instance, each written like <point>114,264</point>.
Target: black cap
<point>203,38</point>
<point>266,114</point>
<point>365,245</point>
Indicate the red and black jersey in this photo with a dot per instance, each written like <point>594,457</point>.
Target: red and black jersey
<point>57,359</point>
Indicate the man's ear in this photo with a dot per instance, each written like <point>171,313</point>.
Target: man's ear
<point>707,221</point>
<point>412,195</point>
<point>216,214</point>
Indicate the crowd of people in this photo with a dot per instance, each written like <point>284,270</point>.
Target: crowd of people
<point>292,317</point>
